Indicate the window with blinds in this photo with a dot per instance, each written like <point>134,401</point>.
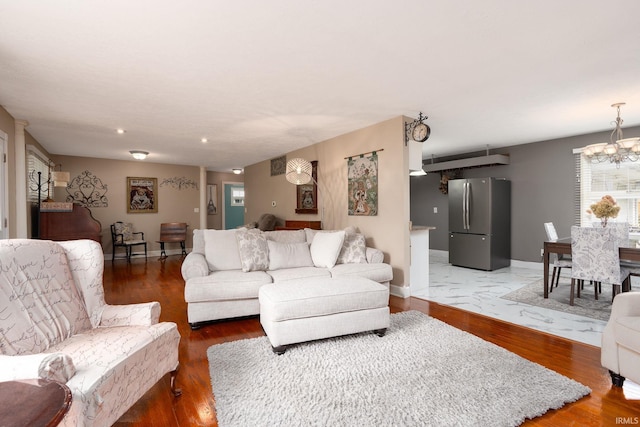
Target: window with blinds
<point>594,180</point>
<point>37,162</point>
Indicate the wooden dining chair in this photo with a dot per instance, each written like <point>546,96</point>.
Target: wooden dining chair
<point>595,256</point>
<point>558,260</point>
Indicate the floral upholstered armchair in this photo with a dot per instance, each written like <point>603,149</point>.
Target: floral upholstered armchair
<point>108,355</point>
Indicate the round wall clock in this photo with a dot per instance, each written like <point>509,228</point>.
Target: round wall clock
<point>420,132</point>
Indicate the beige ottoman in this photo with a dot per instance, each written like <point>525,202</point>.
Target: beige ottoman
<point>311,309</point>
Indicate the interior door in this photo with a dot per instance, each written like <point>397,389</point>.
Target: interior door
<point>233,204</point>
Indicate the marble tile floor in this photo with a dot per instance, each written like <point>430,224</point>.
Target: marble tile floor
<point>480,292</point>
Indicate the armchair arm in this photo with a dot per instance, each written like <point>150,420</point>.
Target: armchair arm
<point>50,366</point>
<point>141,233</point>
<point>143,314</point>
<point>374,256</point>
<point>194,265</point>
<point>625,304</point>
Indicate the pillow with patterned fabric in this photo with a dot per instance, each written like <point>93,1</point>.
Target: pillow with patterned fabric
<point>254,252</point>
<point>354,250</point>
<point>126,229</point>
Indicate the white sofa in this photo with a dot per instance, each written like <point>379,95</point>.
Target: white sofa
<point>620,352</point>
<point>226,268</point>
<point>56,325</point>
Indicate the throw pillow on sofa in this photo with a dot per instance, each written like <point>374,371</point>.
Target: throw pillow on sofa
<point>288,255</point>
<point>254,252</point>
<point>354,250</point>
<point>326,247</point>
<point>221,250</point>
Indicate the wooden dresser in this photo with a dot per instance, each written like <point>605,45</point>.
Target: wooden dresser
<point>299,225</point>
<point>77,224</point>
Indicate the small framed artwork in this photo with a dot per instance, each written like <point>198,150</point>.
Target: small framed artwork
<point>307,194</point>
<point>212,199</point>
<point>278,165</point>
<point>142,195</point>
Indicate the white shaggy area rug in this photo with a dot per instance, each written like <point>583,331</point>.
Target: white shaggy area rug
<point>423,372</point>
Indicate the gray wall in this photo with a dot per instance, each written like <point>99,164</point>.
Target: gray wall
<point>542,178</point>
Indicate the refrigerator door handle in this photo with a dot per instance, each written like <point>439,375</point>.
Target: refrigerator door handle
<point>467,207</point>
<point>464,206</point>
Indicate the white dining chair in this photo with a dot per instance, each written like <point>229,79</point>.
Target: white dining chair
<point>595,256</point>
<point>559,261</point>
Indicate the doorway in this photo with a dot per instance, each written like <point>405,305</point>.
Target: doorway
<point>232,204</point>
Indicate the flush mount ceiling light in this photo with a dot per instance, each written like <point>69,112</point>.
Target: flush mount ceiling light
<point>139,155</point>
<point>617,150</point>
<point>120,131</point>
<point>237,171</point>
<point>298,171</point>
<point>204,140</point>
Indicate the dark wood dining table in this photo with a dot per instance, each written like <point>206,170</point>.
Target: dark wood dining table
<point>563,246</point>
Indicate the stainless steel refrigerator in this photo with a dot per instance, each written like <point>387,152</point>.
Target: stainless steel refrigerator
<point>480,223</point>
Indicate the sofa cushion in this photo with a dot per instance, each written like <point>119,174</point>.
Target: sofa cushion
<point>225,285</point>
<point>254,252</point>
<point>299,273</point>
<point>378,272</point>
<point>353,250</point>
<point>288,255</point>
<point>221,250</point>
<point>39,303</point>
<point>198,241</point>
<point>319,297</point>
<point>326,247</point>
<point>286,236</point>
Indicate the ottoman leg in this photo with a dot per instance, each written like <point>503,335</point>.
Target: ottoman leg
<point>380,332</point>
<point>279,350</point>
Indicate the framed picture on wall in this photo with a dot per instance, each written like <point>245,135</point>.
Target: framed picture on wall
<point>212,199</point>
<point>307,194</point>
<point>142,195</point>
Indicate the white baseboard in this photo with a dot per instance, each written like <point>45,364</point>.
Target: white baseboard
<point>150,254</point>
<point>400,291</point>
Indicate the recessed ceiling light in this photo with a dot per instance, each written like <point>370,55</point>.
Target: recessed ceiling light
<point>204,140</point>
<point>139,155</point>
<point>120,131</point>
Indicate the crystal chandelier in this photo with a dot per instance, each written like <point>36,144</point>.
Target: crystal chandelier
<point>617,150</point>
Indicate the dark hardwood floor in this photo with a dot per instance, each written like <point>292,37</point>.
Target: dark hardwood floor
<point>161,281</point>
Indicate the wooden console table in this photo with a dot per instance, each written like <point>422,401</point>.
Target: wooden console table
<point>33,402</point>
<point>299,225</point>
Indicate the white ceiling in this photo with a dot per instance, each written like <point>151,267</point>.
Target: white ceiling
<point>261,78</point>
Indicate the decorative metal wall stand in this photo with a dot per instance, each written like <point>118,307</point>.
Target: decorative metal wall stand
<point>179,183</point>
<point>87,190</point>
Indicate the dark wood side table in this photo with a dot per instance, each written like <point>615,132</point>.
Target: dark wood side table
<point>33,403</point>
<point>298,225</point>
